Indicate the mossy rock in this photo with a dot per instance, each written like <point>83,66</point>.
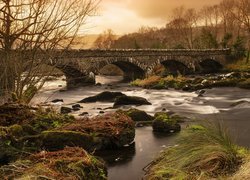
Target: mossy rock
<point>11,114</point>
<point>164,123</point>
<point>69,163</point>
<point>56,140</point>
<point>49,120</point>
<point>245,84</point>
<point>130,100</point>
<point>112,129</point>
<point>138,115</point>
<point>226,83</point>
<point>105,96</point>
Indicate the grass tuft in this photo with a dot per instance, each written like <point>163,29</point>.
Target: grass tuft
<point>203,151</point>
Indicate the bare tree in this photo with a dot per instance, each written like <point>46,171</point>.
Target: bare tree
<point>183,22</point>
<point>105,40</point>
<point>29,29</point>
<point>242,14</point>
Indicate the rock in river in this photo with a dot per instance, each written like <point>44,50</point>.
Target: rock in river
<point>138,115</point>
<point>66,110</point>
<point>105,96</point>
<point>164,123</point>
<point>130,100</point>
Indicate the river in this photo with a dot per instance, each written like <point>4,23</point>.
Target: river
<point>215,104</point>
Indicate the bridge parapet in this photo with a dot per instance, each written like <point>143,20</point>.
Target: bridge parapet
<point>83,53</point>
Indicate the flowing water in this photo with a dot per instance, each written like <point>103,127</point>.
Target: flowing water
<point>128,163</point>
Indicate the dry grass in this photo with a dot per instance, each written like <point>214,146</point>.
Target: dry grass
<point>203,152</point>
<point>150,81</point>
<point>70,163</point>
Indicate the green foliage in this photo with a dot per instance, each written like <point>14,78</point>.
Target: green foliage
<point>208,40</point>
<point>225,41</point>
<point>239,47</point>
<point>49,119</point>
<point>166,119</point>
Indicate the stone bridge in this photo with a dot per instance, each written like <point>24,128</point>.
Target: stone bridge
<point>79,66</point>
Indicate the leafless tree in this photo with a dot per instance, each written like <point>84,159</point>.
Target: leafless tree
<point>183,22</point>
<point>105,40</point>
<point>29,29</point>
<point>242,14</point>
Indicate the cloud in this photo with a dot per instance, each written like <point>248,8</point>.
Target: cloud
<point>125,16</point>
<point>163,8</point>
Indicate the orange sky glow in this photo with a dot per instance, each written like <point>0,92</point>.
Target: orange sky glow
<point>125,16</point>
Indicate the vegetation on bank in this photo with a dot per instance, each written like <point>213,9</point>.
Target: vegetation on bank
<point>237,79</point>
<point>241,65</point>
<point>202,152</point>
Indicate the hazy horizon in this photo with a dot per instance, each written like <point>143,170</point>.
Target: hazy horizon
<point>126,16</point>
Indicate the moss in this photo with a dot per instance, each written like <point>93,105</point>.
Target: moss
<point>138,115</point>
<point>69,163</point>
<point>49,119</point>
<point>56,140</point>
<point>164,123</point>
<point>16,130</point>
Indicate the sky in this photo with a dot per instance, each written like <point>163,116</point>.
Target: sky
<point>126,16</point>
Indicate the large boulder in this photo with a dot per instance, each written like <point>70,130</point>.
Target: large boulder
<point>113,129</point>
<point>105,96</point>
<point>164,123</point>
<point>69,163</point>
<point>130,100</point>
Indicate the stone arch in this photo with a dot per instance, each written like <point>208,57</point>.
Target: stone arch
<point>111,70</point>
<point>210,66</point>
<point>130,70</point>
<point>75,77</point>
<point>175,67</point>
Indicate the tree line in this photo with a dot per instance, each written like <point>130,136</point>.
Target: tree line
<point>224,25</point>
